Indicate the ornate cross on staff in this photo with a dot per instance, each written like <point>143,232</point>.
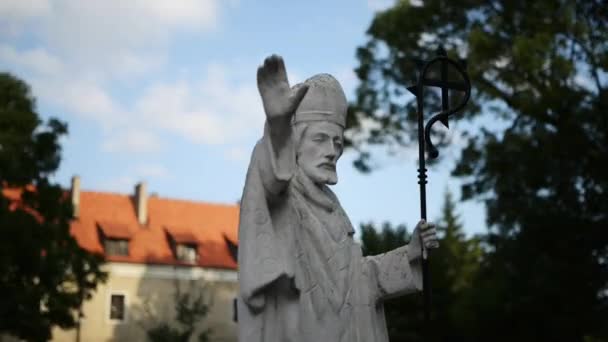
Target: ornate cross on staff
<point>424,136</point>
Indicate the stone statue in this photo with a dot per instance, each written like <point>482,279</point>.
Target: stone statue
<point>302,277</point>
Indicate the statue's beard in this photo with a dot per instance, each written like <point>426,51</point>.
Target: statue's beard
<point>321,176</point>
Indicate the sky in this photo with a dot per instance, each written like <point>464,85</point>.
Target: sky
<point>164,91</point>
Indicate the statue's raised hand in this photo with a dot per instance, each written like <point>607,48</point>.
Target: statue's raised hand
<point>280,100</point>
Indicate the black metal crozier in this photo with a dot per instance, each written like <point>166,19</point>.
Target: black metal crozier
<point>424,137</point>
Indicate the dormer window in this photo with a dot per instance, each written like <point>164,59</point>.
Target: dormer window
<point>184,245</point>
<point>116,246</point>
<point>114,238</point>
<point>233,248</point>
<point>186,252</point>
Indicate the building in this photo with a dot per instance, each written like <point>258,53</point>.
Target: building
<point>154,247</point>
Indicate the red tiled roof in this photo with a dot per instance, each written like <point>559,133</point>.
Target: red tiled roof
<point>182,235</point>
<point>115,230</point>
<point>207,224</point>
<point>213,227</point>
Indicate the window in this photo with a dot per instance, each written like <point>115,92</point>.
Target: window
<point>233,248</point>
<point>116,246</point>
<point>186,252</point>
<point>117,307</point>
<point>235,310</point>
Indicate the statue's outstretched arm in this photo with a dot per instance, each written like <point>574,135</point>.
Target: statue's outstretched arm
<point>280,103</point>
<point>399,271</point>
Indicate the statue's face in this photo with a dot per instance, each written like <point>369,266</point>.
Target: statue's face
<point>319,149</point>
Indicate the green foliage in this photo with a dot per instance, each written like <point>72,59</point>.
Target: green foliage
<point>44,274</point>
<point>453,269</point>
<point>539,68</point>
<point>389,238</point>
<point>191,308</point>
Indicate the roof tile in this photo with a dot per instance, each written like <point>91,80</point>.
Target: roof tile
<point>213,226</point>
<point>115,230</point>
<point>187,221</point>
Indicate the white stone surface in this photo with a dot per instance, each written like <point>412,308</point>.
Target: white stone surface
<point>302,277</point>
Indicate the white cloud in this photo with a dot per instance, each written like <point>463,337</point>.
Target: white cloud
<point>115,23</point>
<point>214,111</point>
<point>85,51</point>
<point>38,60</point>
<point>17,14</point>
<point>24,8</point>
<point>192,13</point>
<point>83,48</point>
<point>98,29</point>
<point>131,140</point>
<point>110,38</point>
<point>89,99</point>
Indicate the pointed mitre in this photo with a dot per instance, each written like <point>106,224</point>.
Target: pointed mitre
<point>324,101</point>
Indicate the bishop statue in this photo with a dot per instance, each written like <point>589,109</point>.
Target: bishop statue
<point>302,276</point>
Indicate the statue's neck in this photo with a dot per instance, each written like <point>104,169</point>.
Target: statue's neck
<point>318,193</point>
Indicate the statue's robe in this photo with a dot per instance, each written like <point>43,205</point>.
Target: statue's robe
<point>302,277</point>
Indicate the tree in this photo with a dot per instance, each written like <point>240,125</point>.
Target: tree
<point>44,274</point>
<point>191,307</point>
<point>540,69</point>
<point>453,269</point>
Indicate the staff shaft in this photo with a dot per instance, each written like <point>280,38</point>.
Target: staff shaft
<point>426,281</point>
<point>425,143</point>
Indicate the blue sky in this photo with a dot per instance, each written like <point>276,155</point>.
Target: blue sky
<point>164,91</point>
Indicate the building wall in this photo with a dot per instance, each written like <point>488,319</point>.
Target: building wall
<point>149,292</point>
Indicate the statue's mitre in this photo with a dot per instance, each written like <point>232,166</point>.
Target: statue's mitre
<point>324,101</point>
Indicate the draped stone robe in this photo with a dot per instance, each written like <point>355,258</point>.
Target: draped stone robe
<point>302,277</point>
